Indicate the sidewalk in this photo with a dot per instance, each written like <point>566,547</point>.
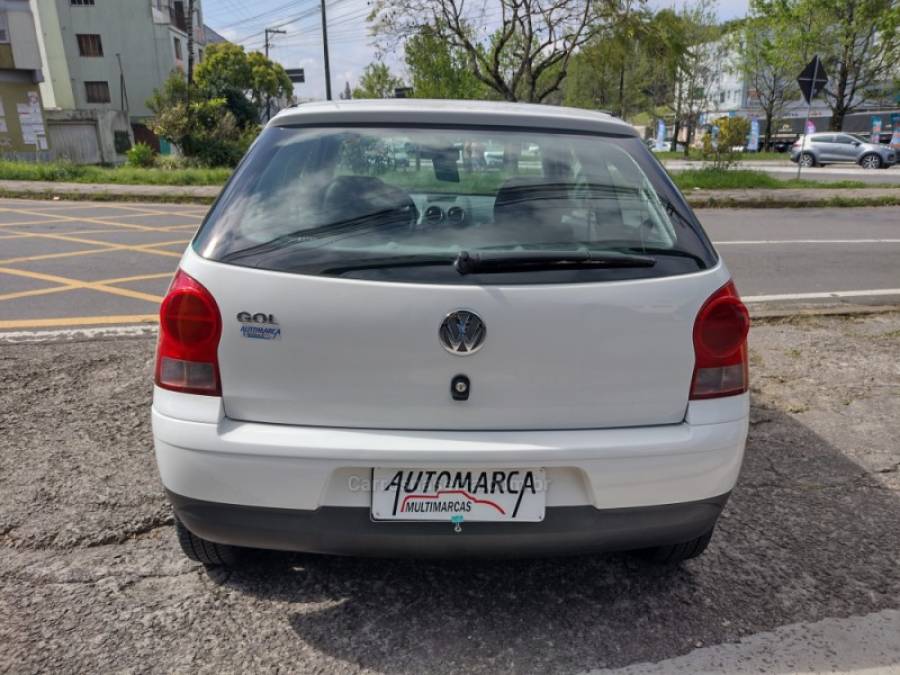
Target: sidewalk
<point>205,194</point>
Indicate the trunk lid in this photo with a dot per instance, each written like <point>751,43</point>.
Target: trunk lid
<point>367,354</point>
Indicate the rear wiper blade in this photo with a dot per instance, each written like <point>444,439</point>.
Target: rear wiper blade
<point>672,252</point>
<point>511,261</point>
<point>386,262</point>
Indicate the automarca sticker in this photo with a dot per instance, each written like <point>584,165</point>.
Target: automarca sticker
<point>443,495</point>
<point>259,326</point>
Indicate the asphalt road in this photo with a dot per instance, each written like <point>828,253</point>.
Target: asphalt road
<point>801,575</point>
<point>824,174</point>
<point>67,264</point>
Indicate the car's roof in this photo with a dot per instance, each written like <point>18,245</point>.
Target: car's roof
<point>426,111</point>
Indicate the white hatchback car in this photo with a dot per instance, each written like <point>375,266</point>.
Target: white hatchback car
<point>444,357</point>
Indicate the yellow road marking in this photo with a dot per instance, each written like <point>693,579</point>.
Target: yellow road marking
<point>140,248</point>
<point>36,291</point>
<point>51,256</point>
<point>36,222</point>
<point>78,321</point>
<point>72,287</point>
<point>75,283</point>
<point>80,240</point>
<point>137,277</point>
<point>25,236</point>
<point>84,219</point>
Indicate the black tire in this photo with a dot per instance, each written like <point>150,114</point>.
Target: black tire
<point>673,554</point>
<point>870,161</point>
<point>206,552</point>
<point>807,159</point>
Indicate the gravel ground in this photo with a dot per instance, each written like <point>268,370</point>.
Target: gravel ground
<point>91,578</point>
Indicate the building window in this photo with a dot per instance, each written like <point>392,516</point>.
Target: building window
<point>177,49</point>
<point>82,3</point>
<point>89,45</point>
<point>177,15</point>
<point>97,92</point>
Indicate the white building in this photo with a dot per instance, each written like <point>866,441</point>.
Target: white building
<point>103,60</point>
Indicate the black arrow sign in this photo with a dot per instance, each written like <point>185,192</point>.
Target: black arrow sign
<point>813,79</point>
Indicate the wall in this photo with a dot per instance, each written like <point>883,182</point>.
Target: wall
<point>87,136</point>
<point>17,92</point>
<point>130,28</point>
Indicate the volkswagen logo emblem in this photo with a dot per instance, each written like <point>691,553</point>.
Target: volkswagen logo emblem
<point>462,333</point>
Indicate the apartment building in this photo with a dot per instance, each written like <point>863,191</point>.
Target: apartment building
<point>22,126</point>
<point>103,60</point>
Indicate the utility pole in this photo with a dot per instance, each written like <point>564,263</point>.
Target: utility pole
<point>270,31</point>
<point>190,42</point>
<point>325,46</point>
<point>190,48</point>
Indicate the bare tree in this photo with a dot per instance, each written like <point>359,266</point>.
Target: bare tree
<point>696,67</point>
<point>769,68</point>
<point>525,59</point>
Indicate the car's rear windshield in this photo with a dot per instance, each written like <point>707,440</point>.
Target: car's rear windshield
<point>403,204</point>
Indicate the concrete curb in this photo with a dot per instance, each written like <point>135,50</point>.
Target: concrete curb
<point>194,194</point>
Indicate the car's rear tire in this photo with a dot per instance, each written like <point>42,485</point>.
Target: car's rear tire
<point>871,161</point>
<point>807,160</point>
<point>673,554</point>
<point>206,552</point>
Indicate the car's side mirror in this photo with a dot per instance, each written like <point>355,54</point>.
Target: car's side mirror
<point>856,144</point>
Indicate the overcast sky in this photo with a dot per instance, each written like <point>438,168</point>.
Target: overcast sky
<point>349,45</point>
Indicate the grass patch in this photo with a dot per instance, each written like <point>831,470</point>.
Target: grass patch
<point>159,198</point>
<point>743,179</point>
<point>696,156</point>
<point>124,175</point>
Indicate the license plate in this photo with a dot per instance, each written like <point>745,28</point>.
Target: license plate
<point>459,495</point>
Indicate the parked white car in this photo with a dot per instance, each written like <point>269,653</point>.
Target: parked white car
<point>449,360</point>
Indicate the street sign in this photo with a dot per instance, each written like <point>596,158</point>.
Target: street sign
<point>813,79</point>
<point>753,137</point>
<point>875,136</point>
<point>296,75</point>
<point>661,136</point>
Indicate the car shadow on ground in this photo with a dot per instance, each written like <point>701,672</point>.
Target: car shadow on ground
<point>808,534</point>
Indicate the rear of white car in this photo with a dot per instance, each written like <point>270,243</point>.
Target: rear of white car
<point>449,356</point>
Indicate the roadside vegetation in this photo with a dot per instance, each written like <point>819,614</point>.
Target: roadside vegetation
<point>696,154</point>
<point>124,175</point>
<point>744,179</point>
<point>173,173</point>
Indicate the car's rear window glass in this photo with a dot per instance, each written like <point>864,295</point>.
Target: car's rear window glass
<point>402,203</point>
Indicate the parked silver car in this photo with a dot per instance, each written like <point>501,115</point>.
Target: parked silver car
<point>826,148</point>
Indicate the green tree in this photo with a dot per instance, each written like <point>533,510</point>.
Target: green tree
<point>768,65</point>
<point>525,59</point>
<point>377,81</point>
<point>228,72</point>
<point>857,41</point>
<point>437,70</point>
<point>201,127</point>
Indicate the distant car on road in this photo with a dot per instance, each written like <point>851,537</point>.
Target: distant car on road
<point>824,148</point>
<point>548,357</point>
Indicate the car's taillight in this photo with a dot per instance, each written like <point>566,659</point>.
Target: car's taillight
<point>720,345</point>
<point>189,329</point>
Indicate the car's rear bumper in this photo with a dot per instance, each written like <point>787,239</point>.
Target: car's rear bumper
<point>350,531</point>
<point>607,488</point>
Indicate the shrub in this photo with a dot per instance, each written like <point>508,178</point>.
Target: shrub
<point>732,134</point>
<point>140,155</point>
